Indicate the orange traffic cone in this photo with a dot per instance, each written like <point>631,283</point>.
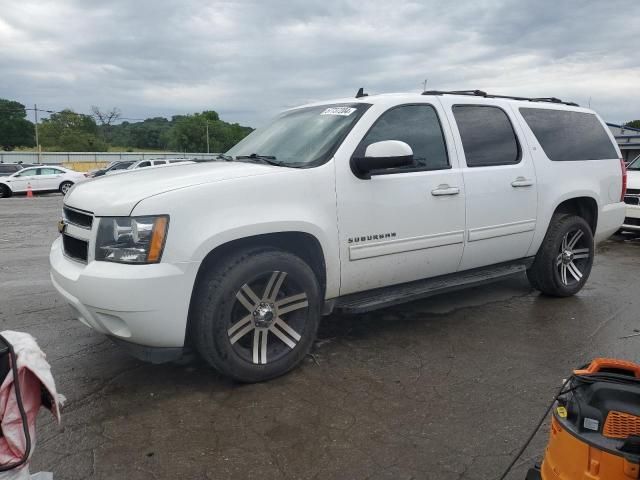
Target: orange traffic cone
<point>29,191</point>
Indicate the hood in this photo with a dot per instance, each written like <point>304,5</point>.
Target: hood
<point>117,194</point>
<point>633,179</point>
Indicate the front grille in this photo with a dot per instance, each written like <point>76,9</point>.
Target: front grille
<point>74,248</point>
<point>75,217</point>
<point>621,425</point>
<point>633,191</point>
<point>632,200</point>
<point>632,221</point>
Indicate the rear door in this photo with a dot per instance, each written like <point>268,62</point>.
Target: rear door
<point>500,182</point>
<point>49,178</point>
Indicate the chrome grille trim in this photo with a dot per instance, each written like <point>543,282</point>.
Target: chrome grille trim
<point>76,217</point>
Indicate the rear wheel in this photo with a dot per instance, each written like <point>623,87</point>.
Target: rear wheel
<point>65,186</point>
<point>563,263</point>
<point>5,191</point>
<point>256,315</point>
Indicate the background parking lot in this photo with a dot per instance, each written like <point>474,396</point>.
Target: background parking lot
<point>446,388</point>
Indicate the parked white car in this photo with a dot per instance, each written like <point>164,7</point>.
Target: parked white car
<point>45,178</point>
<point>348,205</point>
<point>148,163</point>
<point>632,197</point>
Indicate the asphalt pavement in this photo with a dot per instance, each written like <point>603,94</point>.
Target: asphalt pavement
<point>445,388</point>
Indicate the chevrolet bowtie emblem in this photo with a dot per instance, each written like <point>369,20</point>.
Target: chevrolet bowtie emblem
<point>61,226</point>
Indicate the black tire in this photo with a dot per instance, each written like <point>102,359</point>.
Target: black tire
<point>64,187</point>
<point>563,262</point>
<point>5,192</point>
<point>220,307</point>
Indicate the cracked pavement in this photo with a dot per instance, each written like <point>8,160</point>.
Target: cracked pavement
<point>445,388</point>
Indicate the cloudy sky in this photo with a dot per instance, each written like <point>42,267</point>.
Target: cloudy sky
<point>249,59</point>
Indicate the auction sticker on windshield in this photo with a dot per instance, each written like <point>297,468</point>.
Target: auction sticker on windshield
<point>343,111</point>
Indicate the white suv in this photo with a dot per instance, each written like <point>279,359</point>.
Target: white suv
<point>348,205</point>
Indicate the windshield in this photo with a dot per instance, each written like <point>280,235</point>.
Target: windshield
<point>635,164</point>
<point>302,137</point>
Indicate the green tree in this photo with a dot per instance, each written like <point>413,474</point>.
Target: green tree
<point>189,133</point>
<point>15,129</point>
<point>634,124</point>
<point>70,131</point>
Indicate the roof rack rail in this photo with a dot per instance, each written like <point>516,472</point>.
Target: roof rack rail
<point>480,93</point>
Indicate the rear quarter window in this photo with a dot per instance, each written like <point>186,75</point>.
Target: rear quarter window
<point>567,136</point>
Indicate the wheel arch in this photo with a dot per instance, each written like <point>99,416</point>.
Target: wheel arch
<point>5,185</point>
<point>583,206</point>
<point>66,181</point>
<point>302,244</point>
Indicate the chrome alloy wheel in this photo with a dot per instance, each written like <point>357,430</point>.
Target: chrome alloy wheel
<point>573,257</point>
<point>265,328</point>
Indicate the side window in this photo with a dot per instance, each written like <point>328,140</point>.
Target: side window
<point>416,125</point>
<point>569,136</point>
<point>28,172</point>
<point>48,171</point>
<point>144,164</point>
<point>487,135</point>
<point>159,162</point>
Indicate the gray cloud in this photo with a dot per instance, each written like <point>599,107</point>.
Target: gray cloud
<point>249,59</point>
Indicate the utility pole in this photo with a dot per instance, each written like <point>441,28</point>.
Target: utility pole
<point>35,109</point>
<point>207,123</point>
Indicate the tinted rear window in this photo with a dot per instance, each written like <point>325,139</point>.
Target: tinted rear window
<point>569,136</point>
<point>487,136</point>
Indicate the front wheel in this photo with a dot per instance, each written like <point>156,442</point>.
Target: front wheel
<point>563,263</point>
<point>65,186</point>
<point>5,192</point>
<point>256,315</point>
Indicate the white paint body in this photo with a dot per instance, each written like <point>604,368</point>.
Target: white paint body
<point>43,178</point>
<point>443,221</point>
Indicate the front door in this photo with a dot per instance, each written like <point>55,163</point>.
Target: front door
<point>402,224</point>
<point>500,182</point>
<point>23,179</point>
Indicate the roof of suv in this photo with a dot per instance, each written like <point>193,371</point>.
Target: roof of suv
<point>461,94</point>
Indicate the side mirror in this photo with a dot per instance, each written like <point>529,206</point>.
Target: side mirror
<point>381,156</point>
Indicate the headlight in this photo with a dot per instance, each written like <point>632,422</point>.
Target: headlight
<point>131,239</point>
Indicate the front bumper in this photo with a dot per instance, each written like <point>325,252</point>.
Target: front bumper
<point>143,305</point>
<point>632,218</point>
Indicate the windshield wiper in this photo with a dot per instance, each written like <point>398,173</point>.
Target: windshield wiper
<point>222,156</point>
<point>268,159</point>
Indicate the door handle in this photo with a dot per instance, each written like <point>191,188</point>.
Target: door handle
<point>445,190</point>
<point>521,182</point>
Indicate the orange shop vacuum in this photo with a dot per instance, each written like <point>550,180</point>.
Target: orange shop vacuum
<point>595,427</point>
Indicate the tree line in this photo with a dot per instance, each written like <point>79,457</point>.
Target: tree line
<point>68,131</point>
